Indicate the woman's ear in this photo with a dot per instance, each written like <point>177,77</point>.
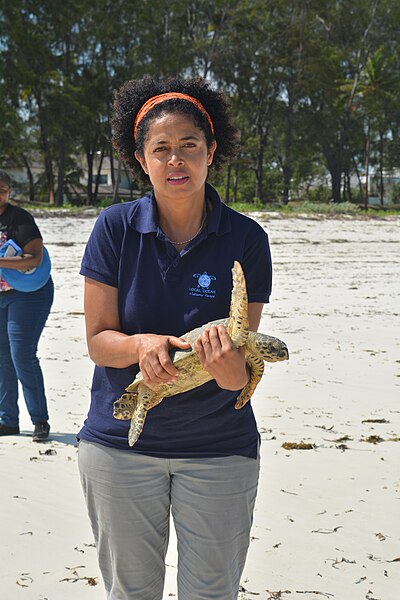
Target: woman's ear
<point>142,162</point>
<point>211,152</point>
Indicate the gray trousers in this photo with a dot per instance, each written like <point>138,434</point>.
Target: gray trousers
<point>129,497</point>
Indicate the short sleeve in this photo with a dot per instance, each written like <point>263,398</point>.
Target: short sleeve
<point>24,228</point>
<point>102,253</point>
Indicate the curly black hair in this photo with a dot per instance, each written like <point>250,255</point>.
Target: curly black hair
<point>131,96</point>
<point>5,178</point>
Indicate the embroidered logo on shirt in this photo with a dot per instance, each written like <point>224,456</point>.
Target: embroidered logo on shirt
<point>203,288</point>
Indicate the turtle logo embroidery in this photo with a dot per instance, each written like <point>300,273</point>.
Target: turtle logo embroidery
<point>204,279</point>
<point>203,287</point>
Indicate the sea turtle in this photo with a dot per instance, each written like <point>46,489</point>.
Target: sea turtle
<point>140,397</point>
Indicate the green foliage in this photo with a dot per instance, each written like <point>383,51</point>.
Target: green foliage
<point>394,193</point>
<point>314,88</point>
<point>320,194</point>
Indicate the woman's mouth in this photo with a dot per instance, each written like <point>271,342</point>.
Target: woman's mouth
<point>177,179</point>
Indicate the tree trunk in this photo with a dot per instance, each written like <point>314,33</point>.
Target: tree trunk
<point>348,186</point>
<point>61,168</point>
<point>346,193</point>
<point>62,140</point>
<point>116,185</point>
<point>109,110</point>
<point>287,182</point>
<point>287,167</point>
<point>262,118</point>
<point>381,184</point>
<point>112,170</point>
<point>336,178</point>
<point>259,190</point>
<point>89,185</point>
<point>30,179</point>
<point>335,170</point>
<point>366,168</point>
<point>48,161</point>
<point>48,166</point>
<point>50,179</point>
<point>334,160</point>
<point>360,186</point>
<point>96,187</point>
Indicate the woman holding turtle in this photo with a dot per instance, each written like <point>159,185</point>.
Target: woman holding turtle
<point>25,302</point>
<point>154,269</point>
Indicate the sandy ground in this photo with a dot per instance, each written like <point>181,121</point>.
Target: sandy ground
<point>327,521</point>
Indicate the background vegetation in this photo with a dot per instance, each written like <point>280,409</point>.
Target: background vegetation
<point>314,86</point>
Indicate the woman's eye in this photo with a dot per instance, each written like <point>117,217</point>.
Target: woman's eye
<point>160,149</point>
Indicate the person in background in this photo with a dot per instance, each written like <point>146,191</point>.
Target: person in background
<point>22,319</point>
<point>154,269</point>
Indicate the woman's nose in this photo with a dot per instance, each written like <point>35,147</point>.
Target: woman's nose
<point>175,157</point>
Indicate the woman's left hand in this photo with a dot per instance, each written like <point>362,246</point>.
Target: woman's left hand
<point>221,359</point>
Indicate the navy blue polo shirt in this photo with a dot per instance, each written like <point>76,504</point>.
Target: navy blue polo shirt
<point>166,292</point>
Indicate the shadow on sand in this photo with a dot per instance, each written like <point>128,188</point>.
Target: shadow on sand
<point>55,436</point>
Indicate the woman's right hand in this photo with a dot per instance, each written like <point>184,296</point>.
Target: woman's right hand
<point>154,359</point>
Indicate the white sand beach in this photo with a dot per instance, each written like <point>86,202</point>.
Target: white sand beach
<point>327,519</point>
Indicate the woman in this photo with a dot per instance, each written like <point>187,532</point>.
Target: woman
<point>196,456</point>
<point>22,319</point>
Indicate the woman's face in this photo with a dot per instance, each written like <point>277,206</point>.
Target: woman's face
<point>176,157</point>
<point>4,195</point>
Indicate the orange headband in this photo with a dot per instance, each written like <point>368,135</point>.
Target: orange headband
<point>151,102</point>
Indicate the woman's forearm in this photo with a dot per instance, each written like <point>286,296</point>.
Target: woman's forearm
<point>110,348</point>
<point>20,263</point>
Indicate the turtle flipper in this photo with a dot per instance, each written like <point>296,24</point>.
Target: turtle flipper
<point>125,405</point>
<point>256,365</point>
<point>238,324</point>
<point>140,413</point>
